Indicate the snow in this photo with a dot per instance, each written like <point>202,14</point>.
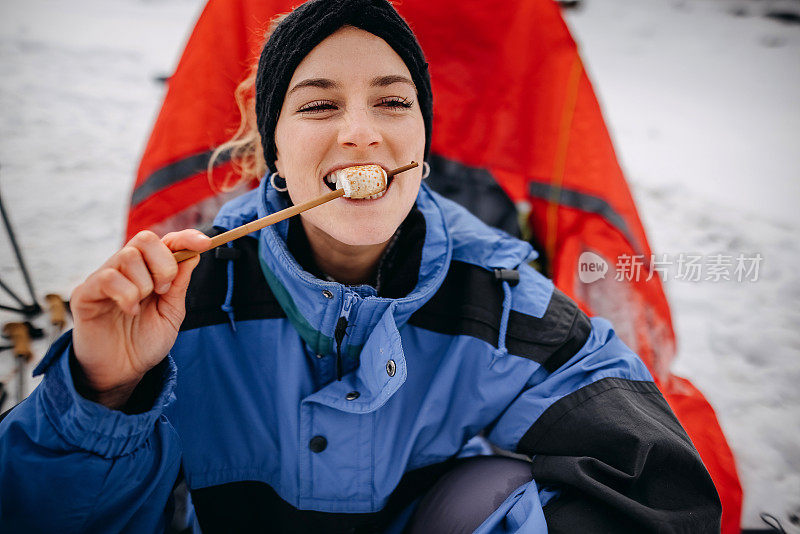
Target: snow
<point>703,108</point>
<point>701,101</point>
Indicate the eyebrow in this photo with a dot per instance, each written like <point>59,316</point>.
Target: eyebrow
<point>322,83</point>
<point>383,81</point>
<point>325,83</point>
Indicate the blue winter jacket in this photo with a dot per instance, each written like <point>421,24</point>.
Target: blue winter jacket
<point>249,415</point>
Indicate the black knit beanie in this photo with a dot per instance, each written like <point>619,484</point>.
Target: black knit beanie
<point>306,27</point>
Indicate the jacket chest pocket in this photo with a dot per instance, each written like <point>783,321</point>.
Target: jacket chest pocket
<point>336,468</point>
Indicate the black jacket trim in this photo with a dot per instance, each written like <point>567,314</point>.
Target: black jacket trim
<point>470,302</point>
<point>251,506</point>
<point>252,297</point>
<point>624,462</point>
<point>5,413</point>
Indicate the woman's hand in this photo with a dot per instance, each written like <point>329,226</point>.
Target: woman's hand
<point>128,312</point>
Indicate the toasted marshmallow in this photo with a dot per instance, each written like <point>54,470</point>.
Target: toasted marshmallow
<point>361,181</point>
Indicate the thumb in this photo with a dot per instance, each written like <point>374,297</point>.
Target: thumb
<point>190,240</point>
<point>177,291</point>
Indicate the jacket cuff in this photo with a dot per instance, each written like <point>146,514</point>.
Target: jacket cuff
<point>91,426</point>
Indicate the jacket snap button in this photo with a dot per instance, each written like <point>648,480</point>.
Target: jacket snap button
<point>353,395</point>
<point>327,294</point>
<point>319,356</point>
<point>390,368</point>
<point>318,444</point>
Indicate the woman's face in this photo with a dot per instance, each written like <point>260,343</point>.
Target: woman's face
<point>351,101</point>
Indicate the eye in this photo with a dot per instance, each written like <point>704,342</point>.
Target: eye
<point>395,102</point>
<point>317,106</point>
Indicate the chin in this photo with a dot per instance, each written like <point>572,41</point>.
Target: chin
<point>356,224</point>
<point>362,233</point>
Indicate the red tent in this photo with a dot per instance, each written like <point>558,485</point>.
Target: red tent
<point>511,97</point>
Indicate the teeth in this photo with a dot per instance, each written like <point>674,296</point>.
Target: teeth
<point>376,195</point>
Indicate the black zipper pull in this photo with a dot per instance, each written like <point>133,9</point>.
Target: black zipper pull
<point>338,334</point>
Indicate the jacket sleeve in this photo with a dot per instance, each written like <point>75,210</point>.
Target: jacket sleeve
<point>71,465</point>
<point>608,454</point>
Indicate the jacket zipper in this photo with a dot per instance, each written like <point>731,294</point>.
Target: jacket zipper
<point>341,331</point>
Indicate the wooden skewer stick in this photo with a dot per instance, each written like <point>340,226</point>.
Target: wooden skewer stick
<point>263,222</point>
<point>404,168</point>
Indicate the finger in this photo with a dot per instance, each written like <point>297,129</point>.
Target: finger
<point>131,263</point>
<point>187,239</point>
<point>181,282</point>
<point>158,258</point>
<point>109,284</point>
<point>173,302</point>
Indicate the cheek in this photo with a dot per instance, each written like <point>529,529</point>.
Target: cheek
<point>297,143</point>
<point>410,138</point>
<point>300,149</point>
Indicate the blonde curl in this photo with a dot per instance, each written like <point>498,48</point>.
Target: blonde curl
<point>244,147</point>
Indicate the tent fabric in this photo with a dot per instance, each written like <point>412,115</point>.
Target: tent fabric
<point>511,100</point>
<point>700,422</point>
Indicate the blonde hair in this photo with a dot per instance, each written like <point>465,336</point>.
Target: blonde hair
<point>244,147</point>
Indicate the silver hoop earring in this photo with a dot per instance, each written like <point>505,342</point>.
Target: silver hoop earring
<point>272,183</point>
<point>426,169</point>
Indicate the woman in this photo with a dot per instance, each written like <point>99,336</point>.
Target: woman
<point>334,372</point>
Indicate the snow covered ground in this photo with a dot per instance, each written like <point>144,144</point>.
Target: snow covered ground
<point>701,100</point>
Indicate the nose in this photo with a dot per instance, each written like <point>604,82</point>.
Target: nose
<point>359,130</point>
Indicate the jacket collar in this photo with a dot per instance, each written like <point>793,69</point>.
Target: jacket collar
<point>373,339</point>
<point>398,268</point>
<point>314,305</point>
